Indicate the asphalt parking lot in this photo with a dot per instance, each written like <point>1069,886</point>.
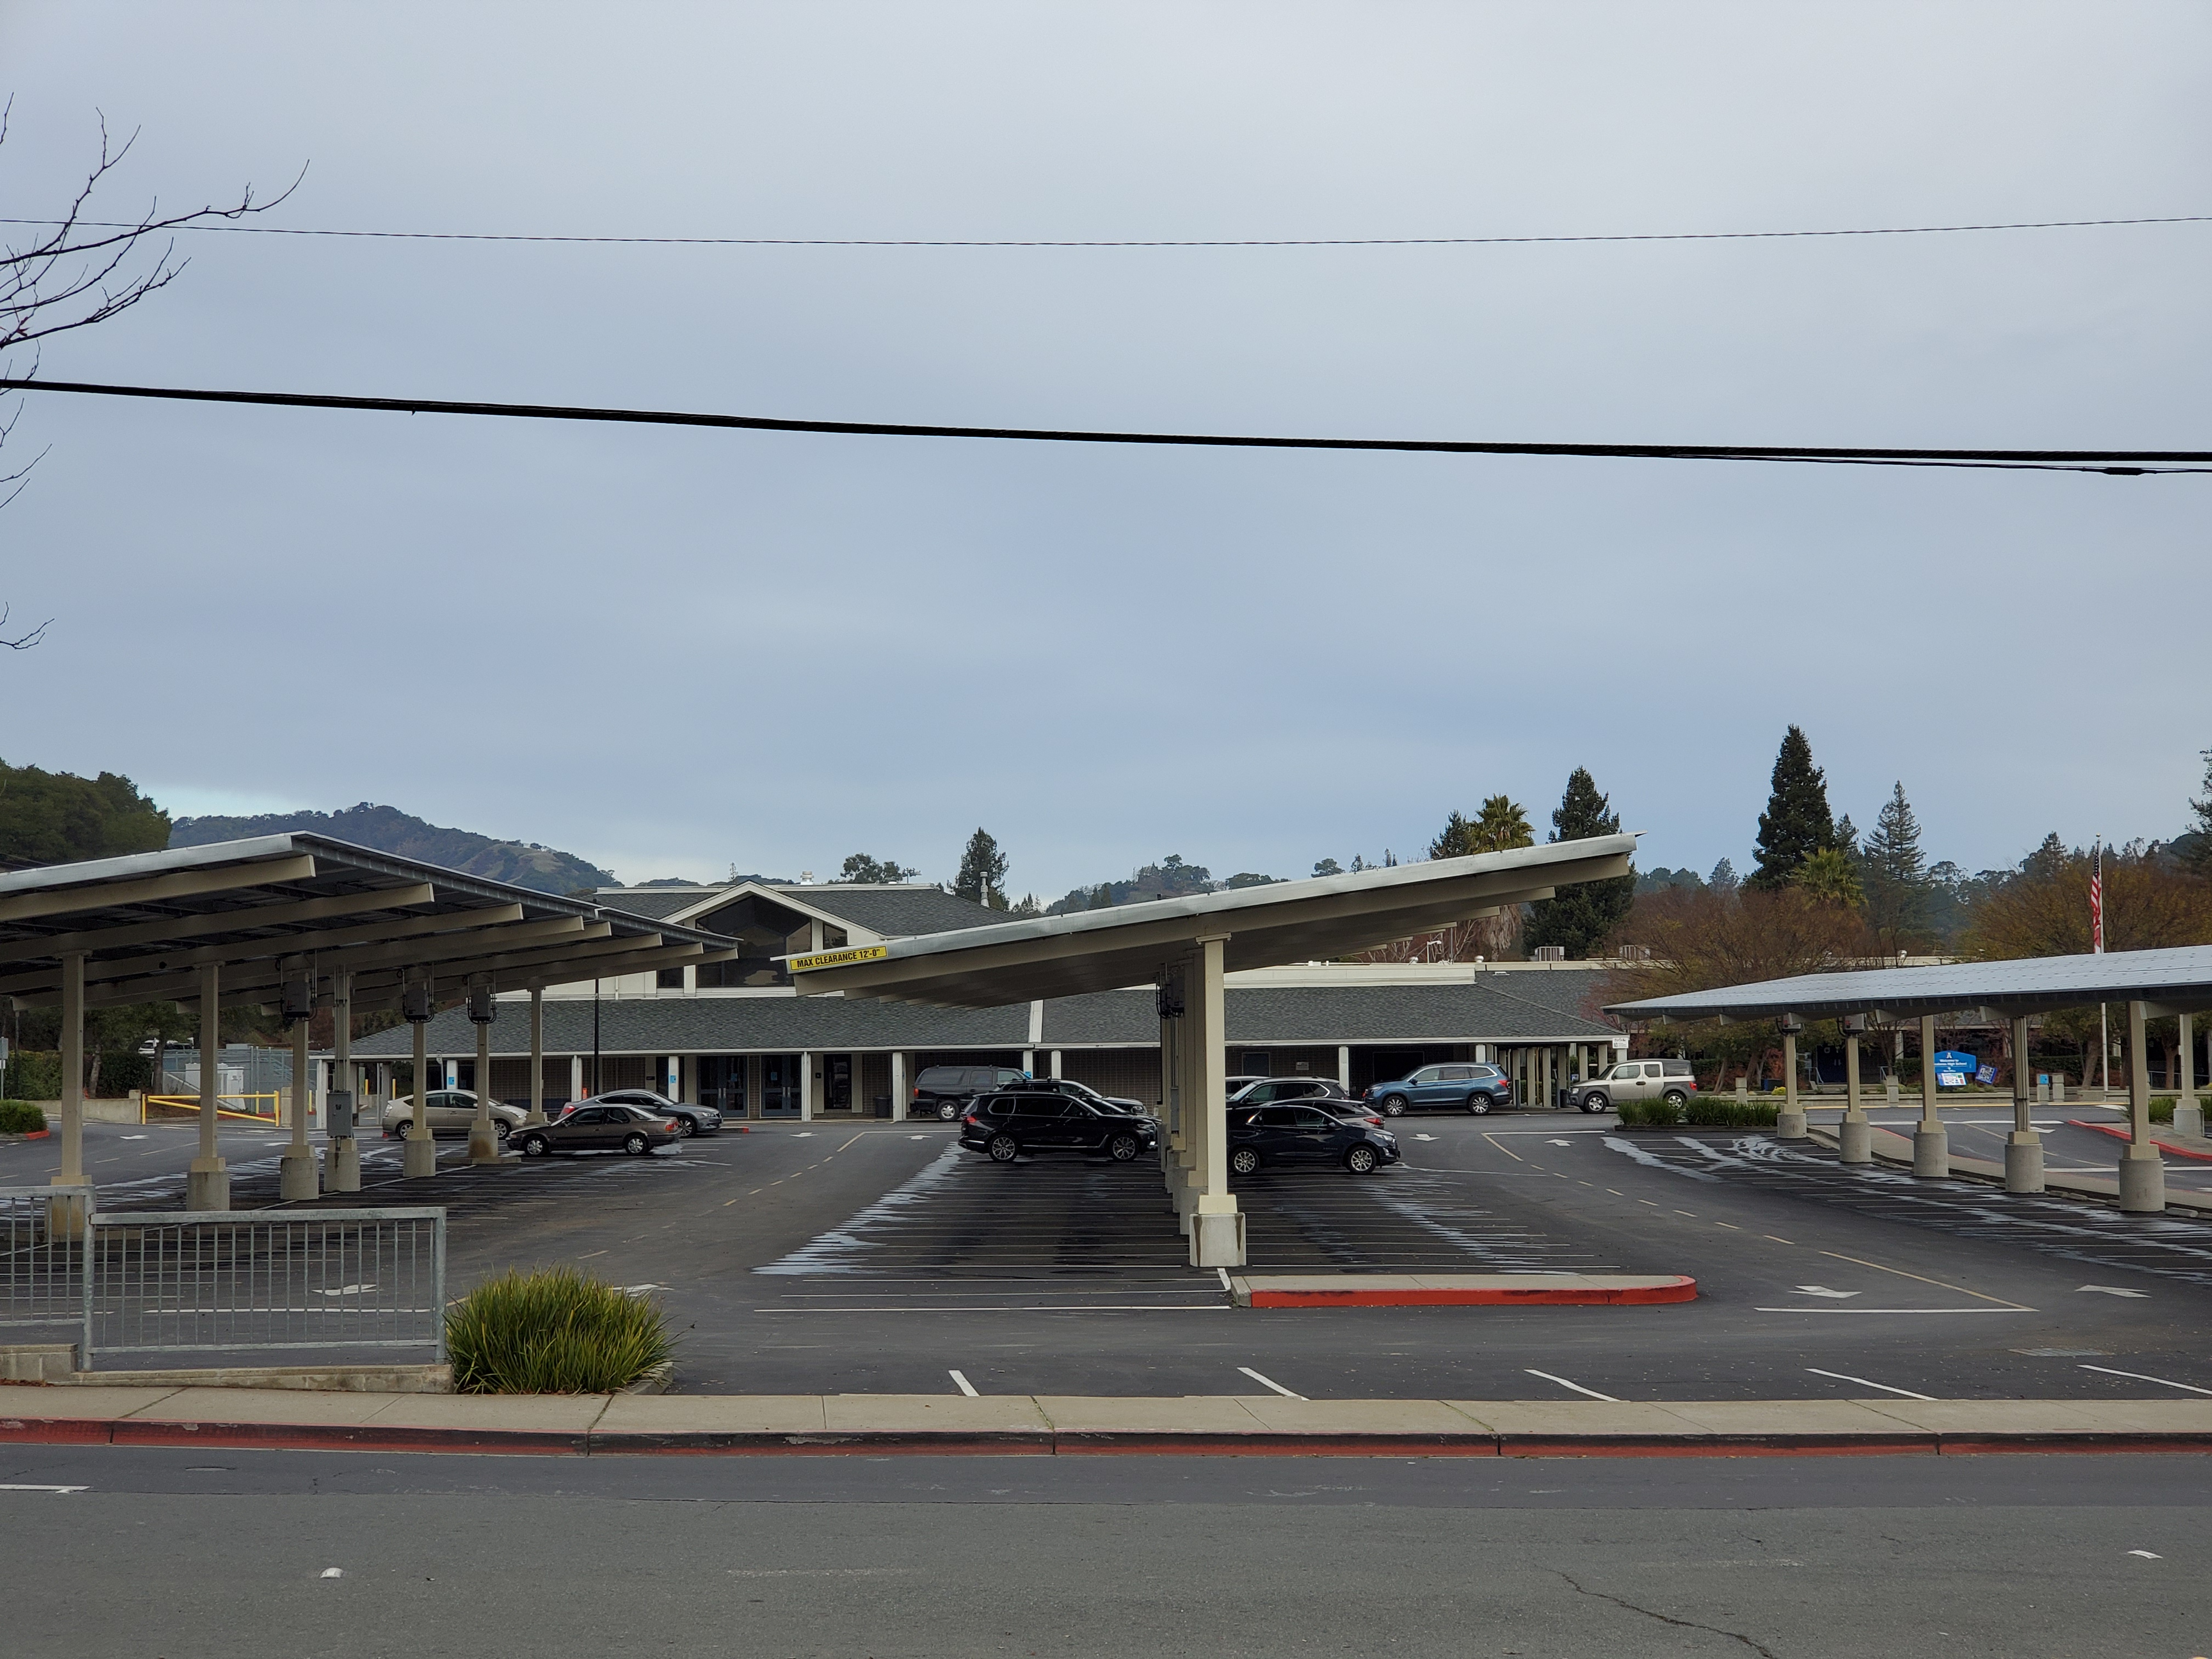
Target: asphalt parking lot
<point>880,1258</point>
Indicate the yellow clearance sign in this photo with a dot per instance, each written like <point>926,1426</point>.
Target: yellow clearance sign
<point>838,958</point>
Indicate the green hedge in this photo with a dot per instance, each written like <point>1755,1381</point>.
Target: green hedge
<point>1702,1112</point>
<point>31,1074</point>
<point>554,1331</point>
<point>20,1117</point>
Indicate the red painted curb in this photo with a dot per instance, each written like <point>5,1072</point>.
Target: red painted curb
<point>1681,1289</point>
<point>2118,1133</point>
<point>292,1437</point>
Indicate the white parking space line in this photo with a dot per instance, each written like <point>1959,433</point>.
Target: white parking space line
<point>1895,1310</point>
<point>1269,1382</point>
<point>2189,1388</point>
<point>1866,1383</point>
<point>1225,1284</point>
<point>966,1387</point>
<point>1614,1400</point>
<point>11,1487</point>
<point>334,1572</point>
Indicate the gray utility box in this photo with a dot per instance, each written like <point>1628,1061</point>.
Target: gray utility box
<point>338,1113</point>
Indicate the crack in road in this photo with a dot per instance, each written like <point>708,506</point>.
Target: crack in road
<point>1666,1618</point>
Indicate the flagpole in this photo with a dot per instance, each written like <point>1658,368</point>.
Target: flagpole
<point>2097,946</point>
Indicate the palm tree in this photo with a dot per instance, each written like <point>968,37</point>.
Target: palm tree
<point>1501,825</point>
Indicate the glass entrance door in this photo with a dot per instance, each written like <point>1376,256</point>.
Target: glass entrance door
<point>778,1086</point>
<point>722,1084</point>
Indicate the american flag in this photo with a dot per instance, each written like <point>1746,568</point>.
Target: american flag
<point>2096,899</point>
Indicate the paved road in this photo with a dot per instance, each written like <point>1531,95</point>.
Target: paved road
<point>227,1555</point>
<point>881,1258</point>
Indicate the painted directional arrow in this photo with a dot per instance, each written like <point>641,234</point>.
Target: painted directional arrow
<point>1563,1143</point>
<point>2111,1290</point>
<point>1822,1290</point>
<point>1424,1137</point>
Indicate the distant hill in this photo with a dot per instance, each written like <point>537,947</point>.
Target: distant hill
<point>388,830</point>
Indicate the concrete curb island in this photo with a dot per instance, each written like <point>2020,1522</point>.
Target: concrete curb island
<point>1048,1425</point>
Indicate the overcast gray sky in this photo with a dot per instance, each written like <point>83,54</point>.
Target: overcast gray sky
<point>672,651</point>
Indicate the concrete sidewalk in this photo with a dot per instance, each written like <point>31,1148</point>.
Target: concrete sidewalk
<point>1046,1425</point>
<point>1459,1290</point>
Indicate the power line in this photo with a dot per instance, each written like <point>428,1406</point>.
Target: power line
<point>2118,462</point>
<point>1161,242</point>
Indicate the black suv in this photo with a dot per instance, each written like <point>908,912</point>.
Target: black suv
<point>946,1091</point>
<point>1084,1092</point>
<point>1005,1126</point>
<point>1302,1133</point>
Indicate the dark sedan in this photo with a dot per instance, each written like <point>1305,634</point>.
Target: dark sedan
<point>599,1128</point>
<point>1005,1127</point>
<point>1305,1134</point>
<point>689,1120</point>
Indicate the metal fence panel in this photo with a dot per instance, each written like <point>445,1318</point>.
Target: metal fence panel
<point>233,1281</point>
<point>42,1254</point>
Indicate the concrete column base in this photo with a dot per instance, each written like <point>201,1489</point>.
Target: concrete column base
<point>2142,1183</point>
<point>207,1186</point>
<point>1217,1238</point>
<point>299,1178</point>
<point>422,1159</point>
<point>1931,1152</point>
<point>344,1174</point>
<point>483,1144</point>
<point>1788,1125</point>
<point>2189,1120</point>
<point>1855,1141</point>
<point>65,1216</point>
<point>2024,1161</point>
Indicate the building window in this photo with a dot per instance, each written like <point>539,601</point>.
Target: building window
<point>668,979</point>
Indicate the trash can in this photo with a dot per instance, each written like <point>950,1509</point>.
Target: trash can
<point>883,1105</point>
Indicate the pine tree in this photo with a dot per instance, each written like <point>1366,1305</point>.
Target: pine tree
<point>1456,840</point>
<point>2196,851</point>
<point>1797,822</point>
<point>982,875</point>
<point>1896,875</point>
<point>1724,878</point>
<point>1581,917</point>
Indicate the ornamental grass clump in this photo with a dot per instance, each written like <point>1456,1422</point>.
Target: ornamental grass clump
<point>1700,1112</point>
<point>21,1117</point>
<point>554,1331</point>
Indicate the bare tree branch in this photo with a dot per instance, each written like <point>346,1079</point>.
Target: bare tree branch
<point>83,273</point>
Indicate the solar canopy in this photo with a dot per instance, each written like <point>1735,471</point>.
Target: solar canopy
<point>2177,980</point>
<point>262,909</point>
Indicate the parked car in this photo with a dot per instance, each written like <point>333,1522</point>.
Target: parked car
<point>452,1112</point>
<point>1670,1080</point>
<point>593,1127</point>
<point>1004,1127</point>
<point>1464,1086</point>
<point>689,1120</point>
<point>946,1091</point>
<point>1269,1090</point>
<point>1068,1086</point>
<point>1303,1133</point>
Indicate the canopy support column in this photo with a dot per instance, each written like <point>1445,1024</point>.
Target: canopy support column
<point>483,1140</point>
<point>72,1100</point>
<point>537,1114</point>
<point>898,1085</point>
<point>2188,1116</point>
<point>806,1085</point>
<point>2024,1146</point>
<point>297,1178</point>
<point>1854,1135</point>
<point>207,1186</point>
<point>421,1159</point>
<point>1790,1121</point>
<point>343,1174</point>
<point>1931,1143</point>
<point>1216,1230</point>
<point>2143,1176</point>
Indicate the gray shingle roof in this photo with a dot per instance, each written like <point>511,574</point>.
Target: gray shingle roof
<point>673,1025</point>
<point>654,901</point>
<point>897,911</point>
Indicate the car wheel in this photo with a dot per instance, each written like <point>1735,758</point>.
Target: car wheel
<point>685,1129</point>
<point>947,1110</point>
<point>1123,1149</point>
<point>1243,1161</point>
<point>1595,1101</point>
<point>1360,1160</point>
<point>1677,1099</point>
<point>1005,1149</point>
<point>1394,1105</point>
<point>636,1145</point>
<point>1478,1103</point>
<point>533,1146</point>
<point>502,1128</point>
